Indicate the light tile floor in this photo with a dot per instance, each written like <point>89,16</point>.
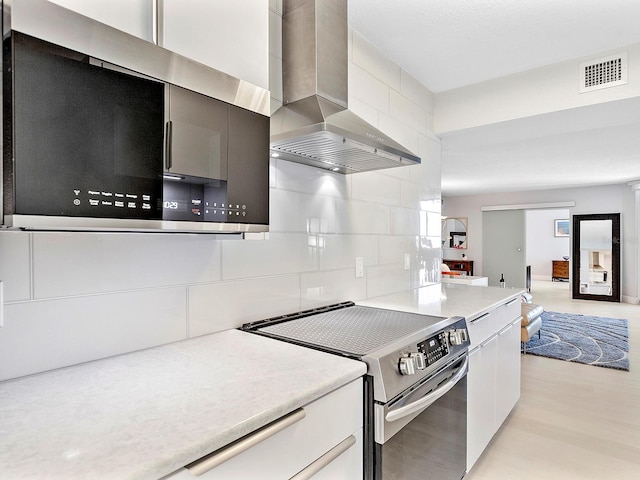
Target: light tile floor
<point>573,421</point>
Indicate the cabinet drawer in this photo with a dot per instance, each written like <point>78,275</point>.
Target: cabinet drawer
<point>507,313</point>
<point>327,422</point>
<point>481,327</point>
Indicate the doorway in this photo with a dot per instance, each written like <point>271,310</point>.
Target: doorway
<point>503,247</point>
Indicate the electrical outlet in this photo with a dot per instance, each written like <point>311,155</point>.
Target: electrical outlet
<point>359,267</point>
<point>407,261</point>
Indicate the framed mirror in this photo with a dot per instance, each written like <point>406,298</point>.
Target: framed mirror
<point>454,233</point>
<point>596,257</point>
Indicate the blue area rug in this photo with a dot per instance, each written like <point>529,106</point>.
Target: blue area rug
<point>599,341</point>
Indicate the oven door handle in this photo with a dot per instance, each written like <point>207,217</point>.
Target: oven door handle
<point>430,398</point>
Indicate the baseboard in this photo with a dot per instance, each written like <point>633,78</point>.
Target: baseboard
<point>628,299</point>
<point>541,277</point>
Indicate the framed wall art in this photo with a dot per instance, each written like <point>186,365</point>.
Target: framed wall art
<point>561,228</point>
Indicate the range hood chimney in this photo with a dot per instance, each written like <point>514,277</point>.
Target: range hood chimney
<point>314,126</point>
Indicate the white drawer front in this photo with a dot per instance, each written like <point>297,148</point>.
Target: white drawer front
<point>507,313</point>
<point>481,327</point>
<point>327,422</point>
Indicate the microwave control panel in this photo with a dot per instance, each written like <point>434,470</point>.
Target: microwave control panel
<point>106,203</point>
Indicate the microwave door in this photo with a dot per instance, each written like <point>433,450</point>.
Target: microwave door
<point>196,137</point>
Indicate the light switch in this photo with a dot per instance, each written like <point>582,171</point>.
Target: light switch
<point>407,261</point>
<point>359,267</point>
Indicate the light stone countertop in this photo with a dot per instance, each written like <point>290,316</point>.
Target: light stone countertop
<point>146,414</point>
<point>446,300</point>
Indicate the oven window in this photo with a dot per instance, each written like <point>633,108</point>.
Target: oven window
<point>432,445</point>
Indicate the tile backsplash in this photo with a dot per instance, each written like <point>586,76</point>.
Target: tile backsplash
<point>76,297</point>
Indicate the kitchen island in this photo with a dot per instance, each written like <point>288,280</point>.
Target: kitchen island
<point>493,322</point>
<point>146,414</point>
<point>446,300</point>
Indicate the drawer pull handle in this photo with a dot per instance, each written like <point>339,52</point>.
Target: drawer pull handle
<point>480,317</point>
<point>511,301</point>
<point>325,459</point>
<point>209,462</point>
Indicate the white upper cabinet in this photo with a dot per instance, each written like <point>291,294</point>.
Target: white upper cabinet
<point>230,36</point>
<point>135,17</point>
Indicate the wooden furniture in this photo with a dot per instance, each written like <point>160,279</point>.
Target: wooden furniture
<point>560,270</point>
<point>460,265</point>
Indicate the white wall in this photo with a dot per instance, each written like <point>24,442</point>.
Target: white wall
<point>542,246</point>
<point>597,199</point>
<point>75,297</point>
<point>547,89</point>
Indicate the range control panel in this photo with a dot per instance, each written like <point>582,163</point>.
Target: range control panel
<point>434,348</point>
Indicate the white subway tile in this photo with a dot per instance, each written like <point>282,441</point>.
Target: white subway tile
<point>430,258</point>
<point>67,264</point>
<point>405,173</point>
<point>372,60</point>
<point>416,92</point>
<point>400,132</point>
<point>281,254</point>
<point>44,335</point>
<point>384,279</point>
<point>298,212</point>
<point>404,221</point>
<point>14,265</point>
<point>431,223</point>
<point>408,112</point>
<point>394,247</point>
<point>221,306</point>
<point>273,170</point>
<point>431,154</point>
<point>365,111</point>
<point>410,192</point>
<point>326,288</point>
<point>430,200</point>
<point>358,217</point>
<point>340,251</point>
<point>296,177</point>
<point>376,188</point>
<point>368,89</point>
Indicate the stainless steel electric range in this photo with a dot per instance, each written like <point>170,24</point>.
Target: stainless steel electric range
<point>415,387</point>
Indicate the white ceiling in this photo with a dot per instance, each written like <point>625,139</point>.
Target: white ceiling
<point>447,44</point>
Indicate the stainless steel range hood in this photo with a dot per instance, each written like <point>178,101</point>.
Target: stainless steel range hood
<point>314,126</point>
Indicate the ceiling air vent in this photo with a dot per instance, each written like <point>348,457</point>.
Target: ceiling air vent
<point>603,73</point>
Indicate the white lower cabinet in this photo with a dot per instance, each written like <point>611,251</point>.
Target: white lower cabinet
<point>508,371</point>
<point>493,381</point>
<point>324,442</point>
<point>481,398</point>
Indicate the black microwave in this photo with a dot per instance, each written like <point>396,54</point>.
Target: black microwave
<point>88,145</point>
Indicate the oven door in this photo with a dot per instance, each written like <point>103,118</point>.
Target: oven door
<point>423,433</point>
